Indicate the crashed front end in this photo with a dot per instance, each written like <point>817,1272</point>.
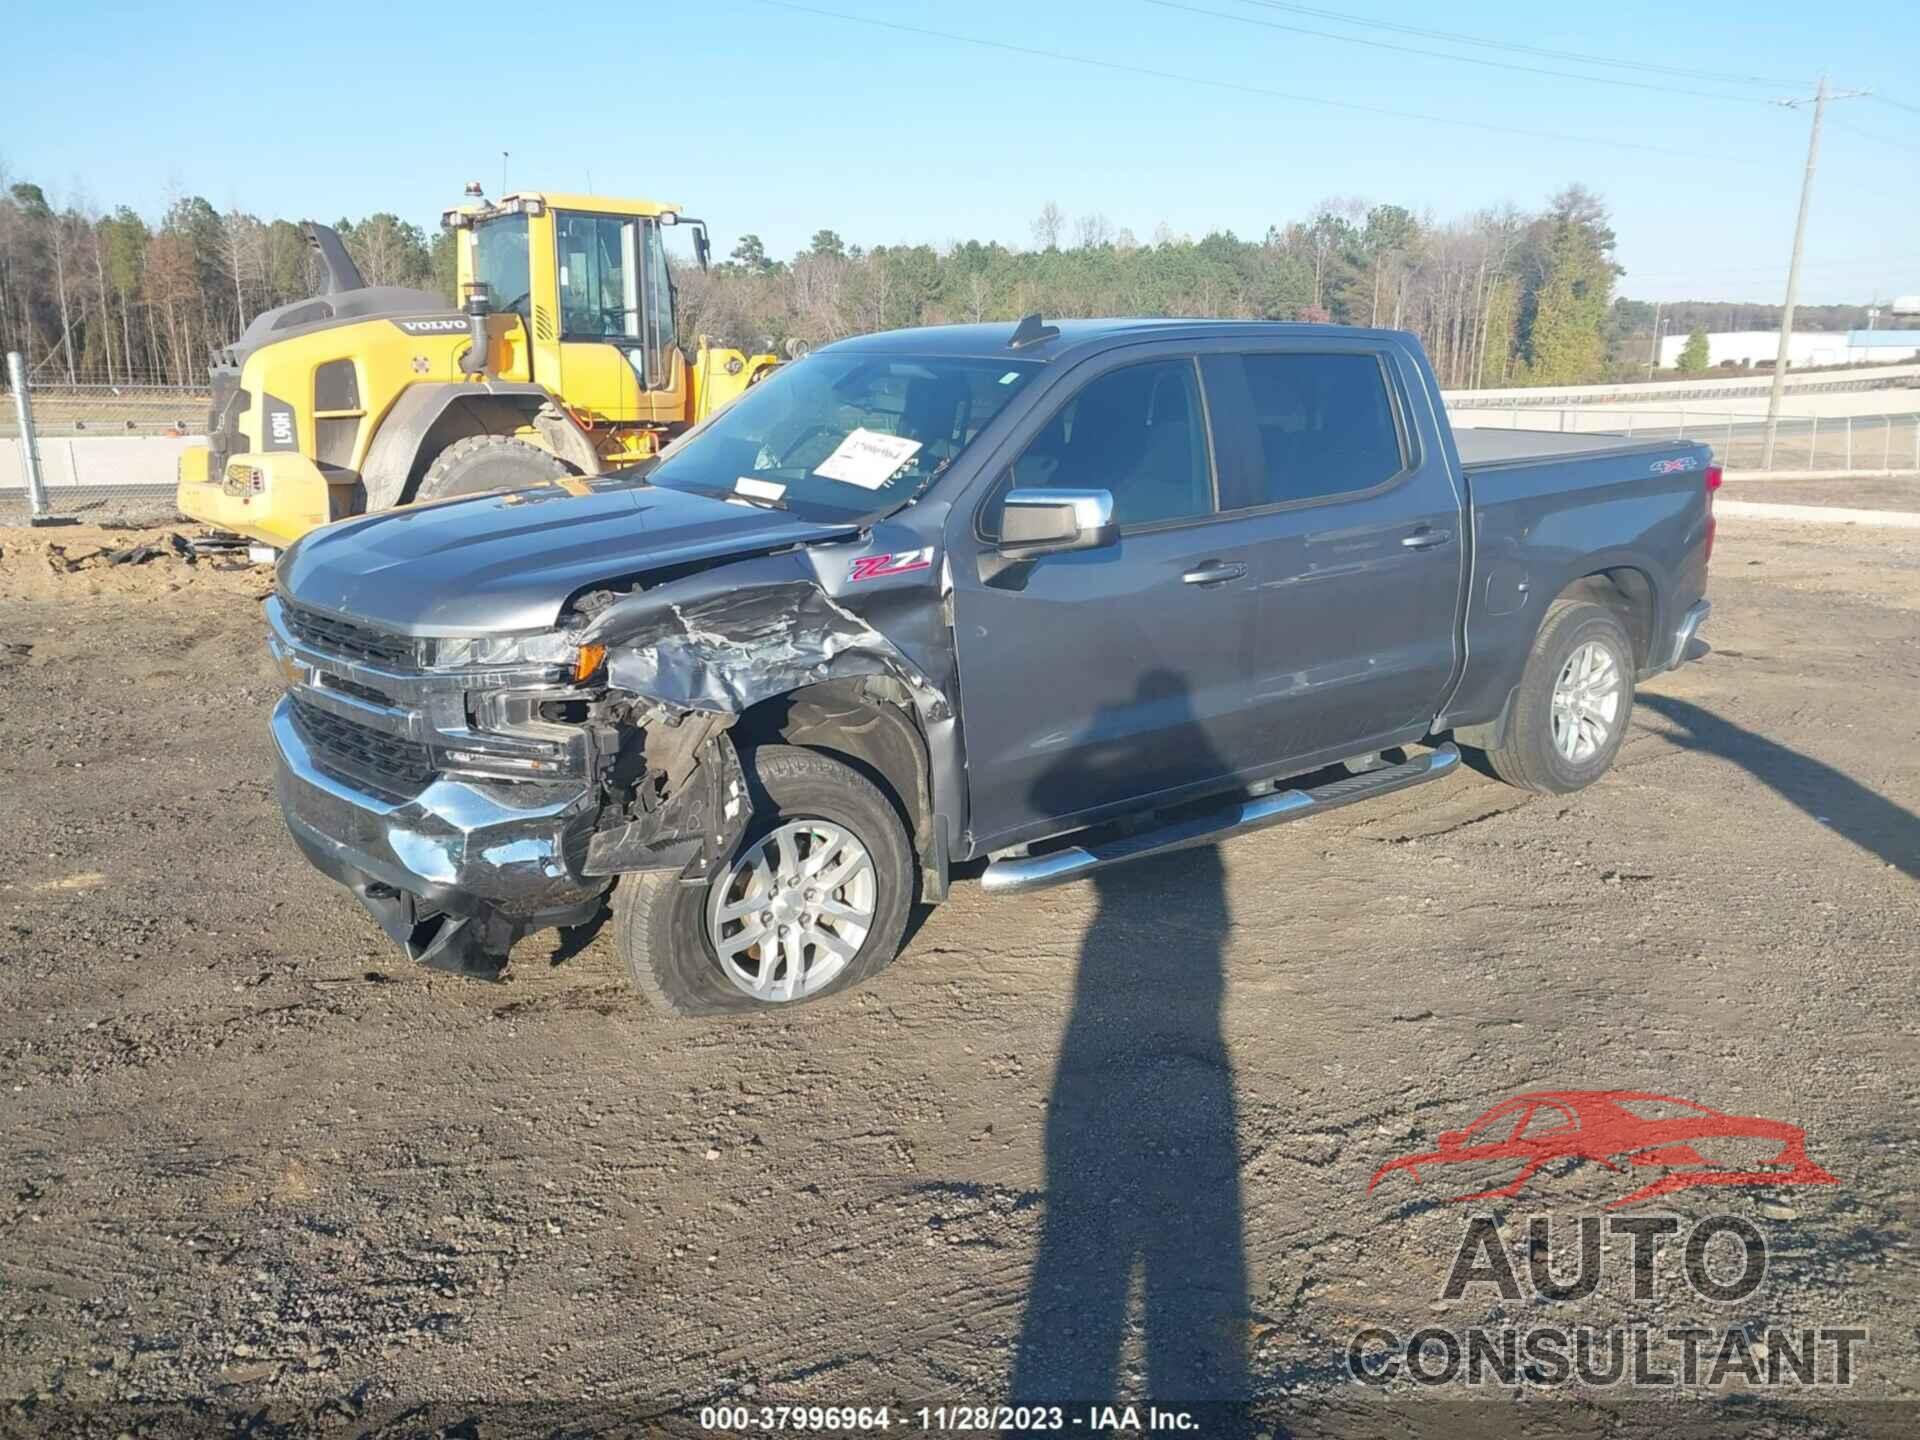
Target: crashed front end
<point>459,786</point>
<point>472,790</point>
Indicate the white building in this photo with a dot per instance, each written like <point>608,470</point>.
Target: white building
<point>1810,347</point>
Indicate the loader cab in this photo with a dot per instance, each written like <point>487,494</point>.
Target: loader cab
<point>588,279</point>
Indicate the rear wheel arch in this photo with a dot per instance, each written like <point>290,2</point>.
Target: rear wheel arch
<point>1630,593</point>
<point>1577,629</point>
<point>1627,591</point>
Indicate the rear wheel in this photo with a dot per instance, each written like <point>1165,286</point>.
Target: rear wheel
<point>815,901</point>
<point>1575,699</point>
<point>481,464</point>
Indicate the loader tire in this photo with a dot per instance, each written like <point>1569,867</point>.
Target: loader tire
<point>665,930</point>
<point>481,464</point>
<point>1582,654</point>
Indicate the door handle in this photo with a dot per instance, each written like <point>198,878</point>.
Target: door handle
<point>1425,538</point>
<point>1214,572</point>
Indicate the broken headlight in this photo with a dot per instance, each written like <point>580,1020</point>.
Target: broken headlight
<point>496,652</point>
<point>513,735</point>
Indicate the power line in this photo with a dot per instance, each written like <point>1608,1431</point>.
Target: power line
<point>1214,83</point>
<point>1897,104</point>
<point>1642,67</point>
<point>1871,135</point>
<point>1667,89</point>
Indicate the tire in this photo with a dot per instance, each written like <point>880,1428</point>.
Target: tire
<point>481,464</point>
<point>662,928</point>
<point>1530,754</point>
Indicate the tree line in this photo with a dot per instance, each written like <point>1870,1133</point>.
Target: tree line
<point>1499,297</point>
<point>93,297</point>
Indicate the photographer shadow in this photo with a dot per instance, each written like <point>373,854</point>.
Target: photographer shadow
<point>1143,1174</point>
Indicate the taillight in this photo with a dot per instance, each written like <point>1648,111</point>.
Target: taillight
<point>1715,474</point>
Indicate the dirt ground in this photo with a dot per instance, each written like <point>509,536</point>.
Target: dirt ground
<point>1893,492</point>
<point>1098,1142</point>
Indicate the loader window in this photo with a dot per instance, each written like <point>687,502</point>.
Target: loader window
<point>500,263</point>
<point>599,277</point>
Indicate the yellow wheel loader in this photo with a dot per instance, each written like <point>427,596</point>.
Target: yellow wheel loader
<point>563,361</point>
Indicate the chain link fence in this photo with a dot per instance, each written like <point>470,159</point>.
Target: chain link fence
<point>1812,444</point>
<point>110,453</point>
<point>105,454</point>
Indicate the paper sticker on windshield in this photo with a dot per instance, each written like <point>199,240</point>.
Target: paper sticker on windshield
<point>758,489</point>
<point>867,458</point>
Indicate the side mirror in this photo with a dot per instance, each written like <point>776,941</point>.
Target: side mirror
<point>1048,522</point>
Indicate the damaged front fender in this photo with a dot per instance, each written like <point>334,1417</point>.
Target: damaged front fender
<point>687,658</point>
<point>723,641</point>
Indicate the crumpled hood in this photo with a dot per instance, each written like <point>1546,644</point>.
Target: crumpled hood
<point>509,562</point>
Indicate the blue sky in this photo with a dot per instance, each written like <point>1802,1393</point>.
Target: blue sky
<point>769,120</point>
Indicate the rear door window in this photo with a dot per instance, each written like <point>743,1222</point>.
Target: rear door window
<point>1323,425</point>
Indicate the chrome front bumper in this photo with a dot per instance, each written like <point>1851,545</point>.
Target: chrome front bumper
<point>506,854</point>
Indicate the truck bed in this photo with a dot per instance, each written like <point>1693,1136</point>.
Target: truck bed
<point>1487,449</point>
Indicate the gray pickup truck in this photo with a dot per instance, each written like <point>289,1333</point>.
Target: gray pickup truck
<point>1047,597</point>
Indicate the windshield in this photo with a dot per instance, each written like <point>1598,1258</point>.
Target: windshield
<point>838,436</point>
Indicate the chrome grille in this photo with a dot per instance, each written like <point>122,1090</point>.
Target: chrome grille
<point>355,642</point>
<point>361,752</point>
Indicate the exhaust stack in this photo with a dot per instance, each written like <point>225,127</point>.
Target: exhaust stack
<point>342,273</point>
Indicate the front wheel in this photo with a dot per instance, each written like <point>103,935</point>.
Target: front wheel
<point>815,901</point>
<point>1570,713</point>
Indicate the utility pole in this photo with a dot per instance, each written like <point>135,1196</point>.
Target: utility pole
<point>1653,360</point>
<point>1821,96</point>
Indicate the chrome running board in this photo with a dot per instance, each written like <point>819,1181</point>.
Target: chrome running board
<point>1057,867</point>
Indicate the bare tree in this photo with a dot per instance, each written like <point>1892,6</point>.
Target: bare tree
<point>1093,231</point>
<point>243,253</point>
<point>1047,225</point>
<point>97,251</point>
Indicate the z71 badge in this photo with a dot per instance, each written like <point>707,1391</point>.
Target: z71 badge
<point>878,567</point>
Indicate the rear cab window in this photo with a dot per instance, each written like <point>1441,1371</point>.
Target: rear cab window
<point>1312,426</point>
